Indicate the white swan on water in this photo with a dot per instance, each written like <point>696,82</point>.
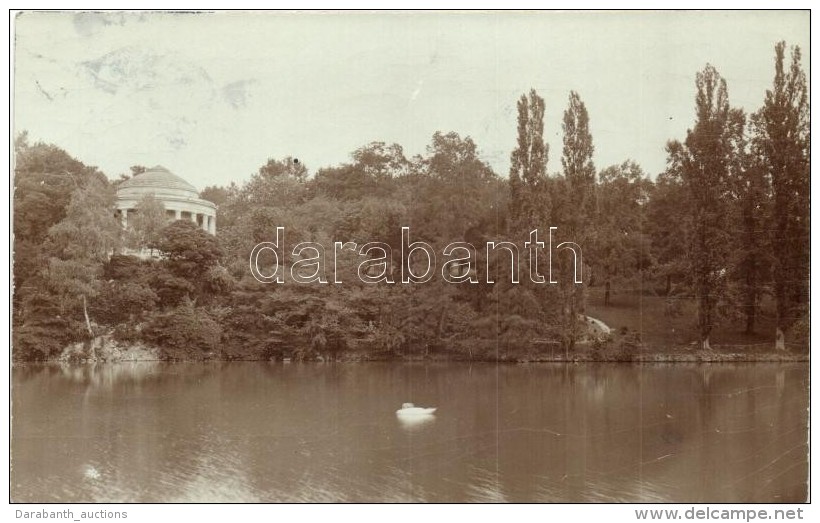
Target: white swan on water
<point>409,410</point>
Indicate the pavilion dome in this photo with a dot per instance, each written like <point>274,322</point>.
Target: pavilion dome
<point>159,181</point>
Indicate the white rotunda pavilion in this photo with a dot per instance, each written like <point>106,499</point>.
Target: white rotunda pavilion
<point>180,199</point>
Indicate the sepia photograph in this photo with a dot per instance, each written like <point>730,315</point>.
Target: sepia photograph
<point>409,257</point>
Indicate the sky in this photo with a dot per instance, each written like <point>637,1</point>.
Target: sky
<point>213,96</point>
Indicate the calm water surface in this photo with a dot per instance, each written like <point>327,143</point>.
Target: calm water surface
<point>328,432</point>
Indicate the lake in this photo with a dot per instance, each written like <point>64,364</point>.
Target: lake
<point>235,432</point>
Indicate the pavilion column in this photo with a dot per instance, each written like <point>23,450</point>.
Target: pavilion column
<point>193,217</point>
<point>212,225</point>
<point>177,214</point>
<point>124,218</point>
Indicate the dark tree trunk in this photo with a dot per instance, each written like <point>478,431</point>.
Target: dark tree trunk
<point>751,297</point>
<point>750,320</point>
<point>441,321</point>
<point>668,284</point>
<point>750,267</point>
<point>606,294</point>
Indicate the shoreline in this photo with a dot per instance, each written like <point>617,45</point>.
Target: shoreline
<point>715,358</point>
<point>106,349</point>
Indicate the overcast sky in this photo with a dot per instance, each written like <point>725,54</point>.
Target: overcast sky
<point>213,96</point>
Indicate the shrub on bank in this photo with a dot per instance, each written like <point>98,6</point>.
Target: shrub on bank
<point>40,340</point>
<point>185,332</point>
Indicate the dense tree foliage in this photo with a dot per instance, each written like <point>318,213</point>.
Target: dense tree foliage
<point>148,221</point>
<point>619,246</point>
<point>724,227</point>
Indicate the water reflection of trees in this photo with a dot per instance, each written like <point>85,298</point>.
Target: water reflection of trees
<point>303,432</point>
<point>111,374</point>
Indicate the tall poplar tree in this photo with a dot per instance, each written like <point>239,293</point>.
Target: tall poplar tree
<point>528,165</point>
<point>579,170</point>
<point>578,207</point>
<point>533,195</point>
<point>703,163</point>
<point>782,140</point>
